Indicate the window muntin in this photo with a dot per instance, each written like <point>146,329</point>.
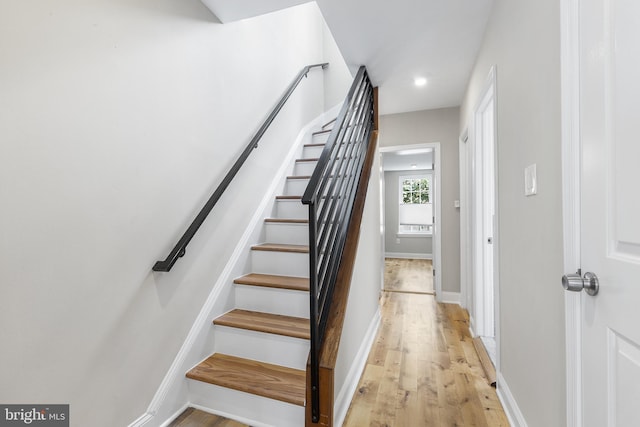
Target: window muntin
<point>415,210</point>
<point>415,191</point>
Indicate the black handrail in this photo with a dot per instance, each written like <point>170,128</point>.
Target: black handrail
<point>180,247</point>
<point>330,196</point>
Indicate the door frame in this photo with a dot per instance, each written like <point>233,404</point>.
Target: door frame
<point>476,223</point>
<point>437,241</point>
<point>464,153</point>
<point>571,186</point>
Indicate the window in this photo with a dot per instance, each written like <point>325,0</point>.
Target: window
<point>415,211</point>
<point>415,191</point>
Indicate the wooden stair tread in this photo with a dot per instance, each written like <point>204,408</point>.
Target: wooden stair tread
<point>307,160</point>
<point>288,197</point>
<point>281,247</point>
<point>287,220</point>
<point>321,132</point>
<point>250,376</point>
<point>299,177</point>
<point>322,144</point>
<point>273,281</point>
<point>288,326</point>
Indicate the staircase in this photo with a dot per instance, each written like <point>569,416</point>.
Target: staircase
<point>257,371</point>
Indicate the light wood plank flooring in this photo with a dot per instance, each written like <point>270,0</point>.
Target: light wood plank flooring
<point>423,369</point>
<point>408,275</point>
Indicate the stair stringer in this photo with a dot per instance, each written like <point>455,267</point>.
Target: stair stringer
<point>172,396</point>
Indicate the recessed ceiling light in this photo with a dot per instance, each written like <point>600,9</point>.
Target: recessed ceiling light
<point>413,166</point>
<point>420,81</point>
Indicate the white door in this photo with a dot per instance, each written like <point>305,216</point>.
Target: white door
<point>484,211</point>
<point>609,108</point>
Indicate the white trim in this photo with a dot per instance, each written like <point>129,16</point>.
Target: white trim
<point>479,304</point>
<point>450,298</point>
<point>223,414</point>
<point>176,414</point>
<point>496,222</point>
<point>465,255</point>
<point>472,330</point>
<point>176,372</point>
<point>143,420</point>
<point>416,234</point>
<point>341,404</point>
<point>485,302</point>
<point>407,255</point>
<point>570,98</point>
<point>509,404</point>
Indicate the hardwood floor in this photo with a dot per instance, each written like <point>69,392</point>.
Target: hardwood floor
<point>423,369</point>
<point>408,275</point>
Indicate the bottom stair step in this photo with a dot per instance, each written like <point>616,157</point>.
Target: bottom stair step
<point>250,376</point>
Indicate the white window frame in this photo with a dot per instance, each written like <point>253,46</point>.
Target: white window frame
<point>415,230</point>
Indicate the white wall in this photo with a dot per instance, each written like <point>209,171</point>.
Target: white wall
<point>523,41</point>
<point>337,77</point>
<point>362,306</point>
<point>418,245</point>
<point>435,126</point>
<point>117,120</point>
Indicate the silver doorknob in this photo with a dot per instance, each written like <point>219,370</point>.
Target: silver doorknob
<point>575,283</point>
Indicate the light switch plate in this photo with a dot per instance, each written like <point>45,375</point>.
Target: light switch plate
<point>530,180</point>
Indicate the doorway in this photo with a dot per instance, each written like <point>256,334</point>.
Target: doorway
<point>479,229</point>
<point>410,213</point>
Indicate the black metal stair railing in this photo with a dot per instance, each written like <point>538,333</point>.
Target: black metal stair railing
<point>179,249</point>
<point>330,197</point>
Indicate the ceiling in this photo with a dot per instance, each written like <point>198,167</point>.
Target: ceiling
<point>405,160</point>
<point>397,41</point>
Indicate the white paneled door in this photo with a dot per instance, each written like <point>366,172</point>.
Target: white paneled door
<point>609,93</point>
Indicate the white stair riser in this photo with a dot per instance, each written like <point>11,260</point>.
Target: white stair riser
<point>261,410</point>
<point>268,348</point>
<point>295,187</point>
<point>292,209</point>
<point>304,168</point>
<point>272,300</point>
<point>312,152</point>
<point>320,138</point>
<point>316,152</point>
<point>293,234</point>
<point>280,263</point>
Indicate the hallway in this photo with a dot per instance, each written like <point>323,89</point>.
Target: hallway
<point>423,369</point>
<point>408,275</point>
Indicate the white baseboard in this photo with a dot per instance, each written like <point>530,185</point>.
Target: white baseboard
<point>143,420</point>
<point>511,409</point>
<point>342,402</point>
<point>449,297</point>
<point>407,255</point>
<point>472,326</point>
<point>233,417</point>
<point>169,420</point>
